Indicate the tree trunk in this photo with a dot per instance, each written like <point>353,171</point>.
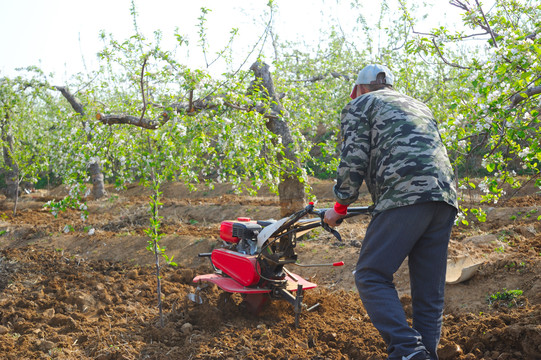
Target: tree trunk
<point>292,196</point>
<point>98,187</point>
<point>96,174</point>
<point>12,175</point>
<point>290,189</point>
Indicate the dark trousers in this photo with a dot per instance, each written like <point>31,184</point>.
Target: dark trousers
<point>420,232</point>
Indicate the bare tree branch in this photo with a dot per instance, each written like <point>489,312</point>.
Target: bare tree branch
<point>521,96</point>
<point>190,104</point>
<point>271,110</point>
<point>485,26</point>
<point>445,60</point>
<point>133,120</point>
<point>320,77</point>
<point>262,74</point>
<point>456,37</point>
<point>143,88</point>
<point>459,5</point>
<point>338,75</point>
<point>486,22</point>
<point>191,108</point>
<point>74,102</point>
<point>312,79</point>
<point>532,36</point>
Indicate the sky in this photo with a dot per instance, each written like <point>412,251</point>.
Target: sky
<point>62,36</point>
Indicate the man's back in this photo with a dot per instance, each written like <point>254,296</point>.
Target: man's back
<point>406,162</point>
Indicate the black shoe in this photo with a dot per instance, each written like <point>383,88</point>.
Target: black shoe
<point>419,355</point>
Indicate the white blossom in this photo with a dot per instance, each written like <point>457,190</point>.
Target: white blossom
<point>460,216</point>
<point>524,152</point>
<point>483,187</point>
<point>484,162</point>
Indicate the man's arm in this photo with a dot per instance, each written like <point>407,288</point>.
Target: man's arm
<point>353,161</point>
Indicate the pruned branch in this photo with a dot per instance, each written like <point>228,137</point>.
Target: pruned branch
<point>263,75</point>
<point>133,120</point>
<point>276,124</point>
<point>74,102</point>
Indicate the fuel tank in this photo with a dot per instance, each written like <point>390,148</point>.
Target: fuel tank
<point>241,267</point>
<point>232,231</point>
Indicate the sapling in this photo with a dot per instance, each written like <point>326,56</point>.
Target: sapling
<point>155,236</point>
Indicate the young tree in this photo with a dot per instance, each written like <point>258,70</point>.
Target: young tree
<point>244,136</point>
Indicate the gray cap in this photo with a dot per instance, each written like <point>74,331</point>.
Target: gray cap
<point>369,75</point>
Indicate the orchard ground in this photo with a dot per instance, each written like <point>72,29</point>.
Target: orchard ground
<point>72,295</point>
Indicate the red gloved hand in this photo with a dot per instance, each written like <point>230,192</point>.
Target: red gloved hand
<point>332,217</point>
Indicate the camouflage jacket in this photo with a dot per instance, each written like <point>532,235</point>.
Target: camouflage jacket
<point>392,142</point>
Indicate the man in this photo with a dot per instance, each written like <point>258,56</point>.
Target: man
<point>392,142</point>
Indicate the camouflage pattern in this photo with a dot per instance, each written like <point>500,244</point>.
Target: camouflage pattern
<point>392,142</point>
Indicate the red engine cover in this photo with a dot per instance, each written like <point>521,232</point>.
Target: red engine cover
<point>239,266</point>
<point>226,229</point>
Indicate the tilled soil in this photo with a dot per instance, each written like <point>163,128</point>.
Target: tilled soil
<point>93,294</point>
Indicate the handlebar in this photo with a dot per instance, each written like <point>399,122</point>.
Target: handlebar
<point>288,228</point>
<point>309,209</point>
<point>351,212</point>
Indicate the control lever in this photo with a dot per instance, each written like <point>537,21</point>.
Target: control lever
<point>326,226</point>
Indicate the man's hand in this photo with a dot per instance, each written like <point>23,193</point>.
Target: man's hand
<point>332,217</point>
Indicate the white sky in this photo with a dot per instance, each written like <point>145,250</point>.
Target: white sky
<point>57,35</point>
